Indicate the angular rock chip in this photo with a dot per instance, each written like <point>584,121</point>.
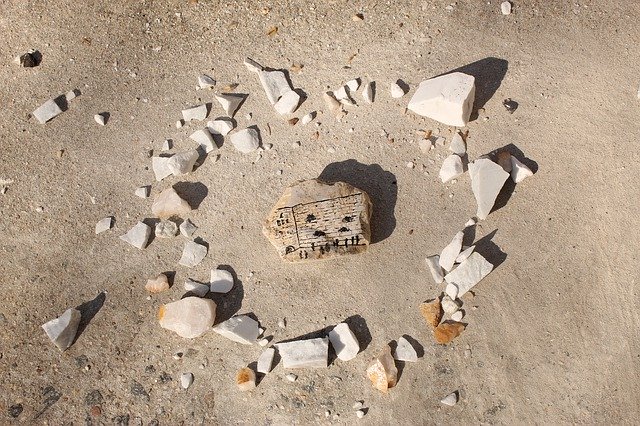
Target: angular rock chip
<point>332,103</point>
<point>342,96</point>
<point>432,312</point>
<point>206,82</point>
<point>308,118</point>
<point>287,103</point>
<point>317,220</point>
<point>220,126</point>
<point>198,112</point>
<point>221,281</point>
<point>160,167</point>
<point>196,288</point>
<point>344,342</point>
<point>487,179</point>
<point>104,224</point>
<point>452,291</point>
<point>240,328</point>
<point>353,85</point>
<point>186,379</point>
<point>447,99</point>
<point>138,236</point>
<point>168,203</point>
<point>469,273</point>
<point>397,91</point>
<point>451,168</point>
<point>265,360</point>
<point>187,228</point>
<point>246,141</point>
<point>143,191</point>
<point>451,251</point>
<point>447,331</point>
<point>183,162</point>
<point>47,111</point>
<point>383,372</point>
<point>230,102</point>
<point>519,171</point>
<point>464,254</point>
<point>246,379</point>
<point>192,254</point>
<point>166,229</point>
<point>100,119</point>
<point>433,262</point>
<point>189,317</point>
<point>457,144</point>
<point>204,139</point>
<point>505,8</point>
<point>62,330</point>
<point>29,60</point>
<point>310,353</point>
<point>275,84</point>
<point>405,351</point>
<point>457,316</point>
<point>368,93</point>
<point>452,398</point>
<point>157,284</point>
<point>449,305</point>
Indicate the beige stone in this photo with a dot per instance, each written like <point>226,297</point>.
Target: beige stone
<point>383,372</point>
<point>189,317</point>
<point>432,312</point>
<point>246,379</point>
<point>168,203</point>
<point>157,284</point>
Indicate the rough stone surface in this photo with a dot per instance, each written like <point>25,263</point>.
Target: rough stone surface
<point>405,351</point>
<point>265,360</point>
<point>519,171</point>
<point>166,229</point>
<point>192,254</point>
<point>432,312</point>
<point>452,291</point>
<point>100,119</point>
<point>396,90</point>
<point>221,281</point>
<point>451,399</point>
<point>382,371</point>
<point>143,191</point>
<point>368,93</point>
<point>308,118</point>
<point>240,328</point>
<point>189,317</point>
<point>157,284</point>
<point>160,167</point>
<point>447,99</point>
<point>288,103</point>
<point>206,82</point>
<point>451,251</point>
<point>344,342</point>
<point>183,162</point>
<point>469,273</point>
<point>457,144</point>
<point>310,353</point>
<point>275,84</point>
<point>230,102</point>
<point>505,8</point>
<point>47,111</point>
<point>451,168</point>
<point>433,262</point>
<point>62,330</point>
<point>186,379</point>
<point>138,236</point>
<point>168,203</point>
<point>187,228</point>
<point>246,140</point>
<point>204,140</point>
<point>104,225</point>
<point>464,254</point>
<point>198,112</point>
<point>487,179</point>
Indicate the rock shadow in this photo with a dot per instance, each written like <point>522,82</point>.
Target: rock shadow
<point>193,192</point>
<point>490,251</point>
<point>228,304</point>
<point>358,325</point>
<point>88,310</point>
<point>151,222</point>
<point>381,185</point>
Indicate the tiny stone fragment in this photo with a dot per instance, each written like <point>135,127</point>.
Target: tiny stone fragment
<point>425,145</point>
<point>397,91</point>
<point>310,353</point>
<point>196,288</point>
<point>457,316</point>
<point>29,59</point>
<point>187,228</point>
<point>265,360</point>
<point>221,281</point>
<point>158,284</point>
<point>449,305</point>
<point>246,379</point>
<point>186,379</point>
<point>240,328</point>
<point>192,254</point>
<point>143,191</point>
<point>457,145</point>
<point>360,414</point>
<point>405,351</point>
<point>519,171</point>
<point>432,312</point>
<point>166,229</point>
<point>433,262</point>
<point>104,224</point>
<point>447,331</point>
<point>189,317</point>
<point>344,342</point>
<point>47,111</point>
<point>451,168</point>
<point>168,203</point>
<point>206,82</point>
<point>382,371</point>
<point>138,236</point>
<point>291,377</point>
<point>198,112</point>
<point>62,330</point>
<point>452,291</point>
<point>204,139</point>
<point>308,118</point>
<point>246,140</point>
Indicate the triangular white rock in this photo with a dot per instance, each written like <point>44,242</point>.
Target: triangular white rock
<point>344,342</point>
<point>519,171</point>
<point>469,273</point>
<point>450,399</point>
<point>230,102</point>
<point>433,262</point>
<point>220,126</point>
<point>405,351</point>
<point>187,228</point>
<point>487,179</point>
<point>241,329</point>
<point>169,203</point>
<point>368,92</point>
<point>206,82</point>
<point>310,353</point>
<point>204,139</point>
<point>196,288</point>
<point>265,361</point>
<point>62,330</point>
<point>192,254</point>
<point>447,99</point>
<point>275,84</point>
<point>457,144</point>
<point>198,112</point>
<point>104,224</point>
<point>160,167</point>
<point>221,281</point>
<point>451,251</point>
<point>183,162</point>
<point>465,254</point>
<point>138,236</point>
<point>451,168</point>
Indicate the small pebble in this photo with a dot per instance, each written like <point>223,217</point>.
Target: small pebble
<point>291,377</point>
<point>179,124</point>
<point>39,209</point>
<point>186,379</point>
<point>410,165</point>
<point>450,399</point>
<point>505,8</point>
<point>360,414</point>
<point>357,405</point>
<point>264,342</point>
<point>282,323</point>
<point>100,119</point>
<point>178,355</point>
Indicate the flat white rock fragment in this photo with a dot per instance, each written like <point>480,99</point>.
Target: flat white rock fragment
<point>168,203</point>
<point>230,102</point>
<point>452,291</point>
<point>189,317</point>
<point>204,139</point>
<point>396,90</point>
<point>275,84</point>
<point>220,126</point>
<point>186,379</point>
<point>160,167</point>
<point>353,85</point>
<point>368,92</point>
<point>138,236</point>
<point>265,360</point>
<point>221,281</point>
<point>241,329</point>
<point>287,103</point>
<point>187,228</point>
<point>308,118</point>
<point>198,112</point>
<point>519,171</point>
<point>451,251</point>
<point>487,179</point>
<point>142,191</point>
<point>405,351</point>
<point>246,140</point>
<point>457,144</point>
<point>447,99</point>
<point>62,330</point>
<point>183,162</point>
<point>450,399</point>
<point>47,111</point>
<point>433,262</point>
<point>100,119</point>
<point>505,8</point>
<point>196,288</point>
<point>206,82</point>
<point>104,224</point>
<point>192,254</point>
<point>465,254</point>
<point>310,353</point>
<point>166,229</point>
<point>469,273</point>
<point>344,342</point>
<point>451,168</point>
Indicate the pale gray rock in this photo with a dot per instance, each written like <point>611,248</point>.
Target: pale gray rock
<point>187,228</point>
<point>487,179</point>
<point>448,98</point>
<point>160,166</point>
<point>519,171</point>
<point>469,273</point>
<point>451,251</point>
<point>167,145</point>
<point>457,316</point>
<point>198,112</point>
<point>104,224</point>
<point>450,400</point>
<point>62,330</point>
<point>230,102</point>
<point>204,139</point>
<point>449,305</point>
<point>451,290</point>
<point>405,351</point>
<point>240,328</point>
<point>183,162</point>
<point>451,168</point>
<point>189,317</point>
<point>291,377</point>
<point>464,254</point>
<point>143,191</point>
<point>275,84</point>
<point>138,236</point>
<point>368,93</point>
<point>265,361</point>
<point>166,229</point>
<point>47,111</point>
<point>220,126</point>
<point>344,342</point>
<point>287,103</point>
<point>425,145</point>
<point>433,262</point>
<point>252,65</point>
<point>457,144</point>
<point>206,82</point>
<point>192,254</point>
<point>196,288</point>
<point>397,91</point>
<point>186,379</point>
<point>505,8</point>
<point>221,281</point>
<point>310,353</point>
<point>100,119</point>
<point>246,140</point>
<point>72,94</point>
<point>353,85</point>
<point>169,203</point>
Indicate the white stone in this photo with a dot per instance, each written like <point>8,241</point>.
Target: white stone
<point>192,254</point>
<point>187,228</point>
<point>451,251</point>
<point>204,139</point>
<point>198,112</point>
<point>433,262</point>
<point>157,284</point>
<point>505,8</point>
<point>220,126</point>
<point>344,342</point>
<point>360,414</point>
<point>166,229</point>
<point>230,102</point>
<point>264,342</point>
<point>62,330</point>
<point>425,145</point>
<point>71,95</point>
<point>183,162</point>
<point>469,273</point>
<point>487,179</point>
<point>357,405</point>
<point>47,111</point>
<point>282,323</point>
<point>447,99</point>
<point>332,103</point>
<point>342,94</point>
<point>310,353</point>
<point>308,118</point>
<point>452,291</point>
<point>179,124</point>
<point>104,224</point>
<point>275,84</point>
<point>368,93</point>
<point>396,90</point>
<point>449,305</point>
<point>457,316</point>
<point>470,222</point>
<point>464,254</point>
<point>265,361</point>
<point>143,191</point>
<point>189,317</point>
<point>168,203</point>
<point>246,140</point>
<point>166,145</point>
<point>457,144</point>
<point>519,171</point>
<point>291,377</point>
<point>353,85</point>
<point>405,351</point>
<point>100,119</point>
<point>138,236</point>
<point>206,82</point>
<point>241,329</point>
<point>439,140</point>
<point>196,288</point>
<point>287,103</point>
<point>221,281</point>
<point>160,167</point>
<point>252,65</point>
<point>451,168</point>
<point>186,379</point>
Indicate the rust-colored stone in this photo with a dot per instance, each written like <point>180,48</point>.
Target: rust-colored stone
<point>447,331</point>
<point>432,312</point>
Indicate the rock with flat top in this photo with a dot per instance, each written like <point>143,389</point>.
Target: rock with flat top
<point>220,126</point>
<point>138,236</point>
<point>246,140</point>
<point>452,291</point>
<point>206,82</point>
<point>487,179</point>
<point>457,316</point>
<point>230,102</point>
<point>104,225</point>
<point>166,229</point>
<point>451,251</point>
<point>192,254</point>
<point>168,203</point>
<point>187,228</point>
<point>310,353</point>
<point>196,288</point>
<point>157,284</point>
<point>204,140</point>
<point>186,380</point>
<point>447,331</point>
<point>382,371</point>
<point>519,171</point>
<point>221,281</point>
<point>344,342</point>
<point>240,328</point>
<point>450,305</point>
<point>405,351</point>
<point>47,111</point>
<point>62,330</point>
<point>246,379</point>
<point>457,144</point>
<point>287,103</point>
<point>160,167</point>
<point>469,273</point>
<point>265,360</point>
<point>143,191</point>
<point>275,84</point>
<point>183,162</point>
<point>447,98</point>
<point>189,317</point>
<point>451,168</point>
<point>433,262</point>
<point>317,220</point>
<point>198,112</point>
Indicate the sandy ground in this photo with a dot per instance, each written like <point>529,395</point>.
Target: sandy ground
<point>553,330</point>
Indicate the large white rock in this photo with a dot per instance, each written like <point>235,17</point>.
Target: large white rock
<point>287,103</point>
<point>405,351</point>
<point>220,126</point>
<point>138,236</point>
<point>168,203</point>
<point>469,273</point>
<point>275,84</point>
<point>189,317</point>
<point>241,329</point>
<point>265,361</point>
<point>464,254</point>
<point>104,225</point>
<point>519,171</point>
<point>204,139</point>
<point>221,281</point>
<point>47,111</point>
<point>62,330</point>
<point>447,99</point>
<point>310,353</point>
<point>451,168</point>
<point>198,112</point>
<point>192,254</point>
<point>160,167</point>
<point>433,262</point>
<point>487,179</point>
<point>451,251</point>
<point>246,140</point>
<point>196,288</point>
<point>344,342</point>
<point>183,162</point>
<point>230,102</point>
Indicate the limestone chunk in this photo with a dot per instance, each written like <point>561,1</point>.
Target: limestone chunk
<point>519,171</point>
<point>246,379</point>
<point>344,342</point>
<point>265,360</point>
<point>157,284</point>
<point>187,228</point>
<point>138,236</point>
<point>310,353</point>
<point>405,351</point>
<point>104,225</point>
<point>425,145</point>
<point>246,141</point>
<point>221,281</point>
<point>62,330</point>
<point>230,102</point>
<point>166,229</point>
<point>432,312</point>
<point>198,112</point>
<point>206,82</point>
<point>168,203</point>
<point>433,262</point>
<point>274,83</point>
<point>317,220</point>
<point>183,162</point>
<point>186,379</point>
<point>457,145</point>
<point>192,254</point>
<point>452,398</point>
<point>504,159</point>
<point>397,91</point>
<point>450,305</point>
<point>452,291</point>
<point>160,167</point>
<point>457,316</point>
<point>100,119</point>
<point>353,85</point>
<point>240,328</point>
<point>487,179</point>
<point>47,111</point>
<point>447,99</point>
<point>204,139</point>
<point>382,371</point>
<point>143,191</point>
<point>308,118</point>
<point>451,251</point>
<point>451,168</point>
<point>196,288</point>
<point>505,8</point>
<point>287,103</point>
<point>189,317</point>
<point>220,126</point>
<point>368,93</point>
<point>465,254</point>
<point>332,103</point>
<point>469,273</point>
<point>447,331</point>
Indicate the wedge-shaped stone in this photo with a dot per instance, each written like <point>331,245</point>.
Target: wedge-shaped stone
<point>168,203</point>
<point>382,371</point>
<point>189,317</point>
<point>220,126</point>
<point>287,103</point>
<point>457,144</point>
<point>104,225</point>
<point>275,84</point>
<point>317,220</point>
<point>519,171</point>
<point>47,111</point>
<point>451,168</point>
<point>447,331</point>
<point>487,179</point>
<point>192,254</point>
<point>432,312</point>
<point>187,228</point>
<point>62,330</point>
<point>198,112</point>
<point>310,353</point>
<point>405,351</point>
<point>196,288</point>
<point>246,379</point>
<point>447,99</point>
<point>265,360</point>
<point>204,139</point>
<point>344,342</point>
<point>221,281</point>
<point>433,262</point>
<point>143,191</point>
<point>452,398</point>
<point>206,82</point>
<point>183,162</point>
<point>138,236</point>
<point>246,140</point>
<point>451,251</point>
<point>469,273</point>
<point>230,102</point>
<point>241,329</point>
<point>166,229</point>
<point>160,167</point>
